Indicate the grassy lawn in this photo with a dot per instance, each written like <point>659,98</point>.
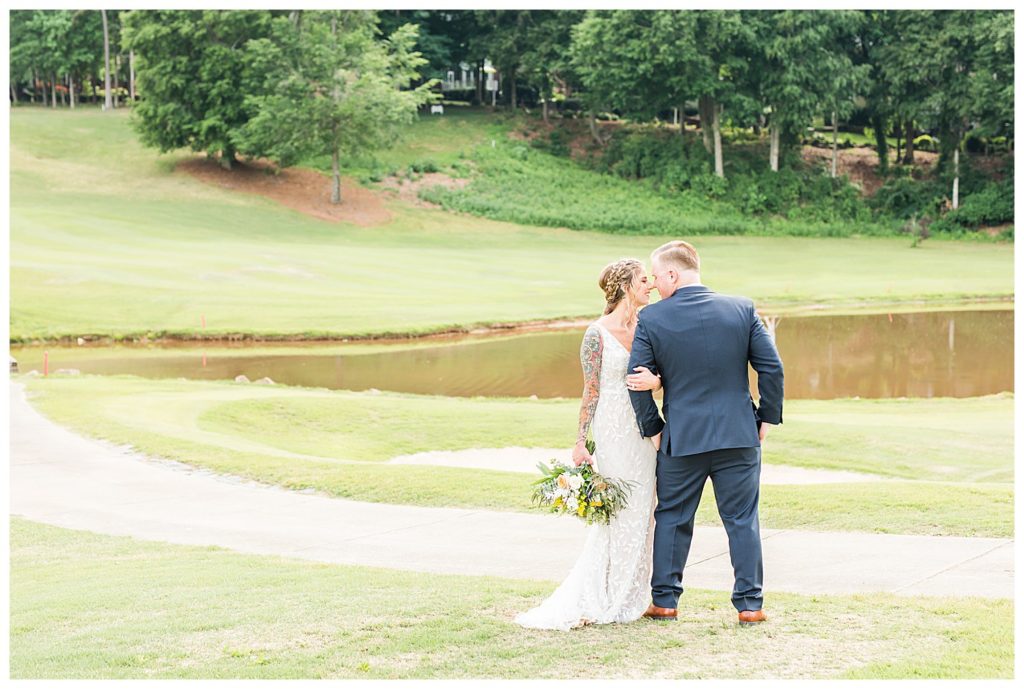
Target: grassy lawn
<point>88,606</point>
<point>105,239</point>
<point>958,453</point>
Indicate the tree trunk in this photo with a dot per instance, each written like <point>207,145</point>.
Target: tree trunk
<point>71,91</point>
<point>774,139</point>
<point>593,129</point>
<point>881,145</point>
<point>53,90</point>
<point>512,87</point>
<point>705,114</point>
<point>107,103</point>
<point>494,93</point>
<point>717,126</point>
<point>546,111</point>
<point>117,68</point>
<point>956,173</point>
<point>14,94</point>
<point>480,82</point>
<point>131,74</point>
<point>335,177</point>
<point>681,114</point>
<point>908,153</point>
<point>835,143</point>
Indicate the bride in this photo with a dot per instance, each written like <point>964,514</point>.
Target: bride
<point>611,580</point>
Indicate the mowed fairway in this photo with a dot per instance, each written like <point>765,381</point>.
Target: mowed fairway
<point>106,239</point>
<point>88,606</point>
<point>954,456</point>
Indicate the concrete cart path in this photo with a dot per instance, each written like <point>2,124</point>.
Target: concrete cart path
<point>60,478</point>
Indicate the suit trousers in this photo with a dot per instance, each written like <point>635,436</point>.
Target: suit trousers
<point>735,474</point>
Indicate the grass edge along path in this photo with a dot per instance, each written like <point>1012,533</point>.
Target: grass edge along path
<point>90,606</point>
<point>170,419</point>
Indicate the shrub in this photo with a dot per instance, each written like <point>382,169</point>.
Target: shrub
<point>926,143</point>
<point>425,165</point>
<point>992,205</point>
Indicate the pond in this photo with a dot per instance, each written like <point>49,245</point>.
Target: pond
<point>929,354</point>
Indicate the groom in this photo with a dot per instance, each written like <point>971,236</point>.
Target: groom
<point>700,343</point>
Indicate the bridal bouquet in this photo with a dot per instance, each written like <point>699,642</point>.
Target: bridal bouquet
<point>580,491</point>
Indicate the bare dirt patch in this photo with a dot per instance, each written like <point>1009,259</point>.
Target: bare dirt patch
<point>860,164</point>
<point>304,190</point>
<point>408,190</point>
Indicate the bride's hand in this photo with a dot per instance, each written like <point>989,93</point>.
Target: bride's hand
<point>643,380</point>
<point>580,455</point>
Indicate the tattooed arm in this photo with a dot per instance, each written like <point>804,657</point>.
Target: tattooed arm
<point>590,358</point>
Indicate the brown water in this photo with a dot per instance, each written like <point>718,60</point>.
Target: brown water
<point>933,354</point>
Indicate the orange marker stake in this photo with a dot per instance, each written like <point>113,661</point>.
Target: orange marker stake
<point>46,363</point>
<point>890,318</point>
<point>204,359</point>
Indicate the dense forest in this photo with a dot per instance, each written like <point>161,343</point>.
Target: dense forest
<point>289,85</point>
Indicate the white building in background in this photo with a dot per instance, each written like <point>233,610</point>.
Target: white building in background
<point>463,77</point>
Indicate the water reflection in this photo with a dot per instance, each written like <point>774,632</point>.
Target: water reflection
<point>948,354</point>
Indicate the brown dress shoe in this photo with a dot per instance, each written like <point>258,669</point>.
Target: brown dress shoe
<point>752,617</point>
<point>656,613</point>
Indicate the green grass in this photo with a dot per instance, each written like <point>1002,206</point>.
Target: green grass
<point>106,240</point>
<point>520,184</point>
<point>959,452</point>
<point>88,606</point>
<point>446,141</point>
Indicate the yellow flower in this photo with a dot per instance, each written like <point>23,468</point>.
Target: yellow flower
<point>581,510</point>
<point>558,502</point>
<point>596,503</point>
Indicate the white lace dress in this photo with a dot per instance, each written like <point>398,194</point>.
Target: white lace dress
<point>611,580</point>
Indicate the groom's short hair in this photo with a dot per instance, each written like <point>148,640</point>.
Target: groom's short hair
<point>679,254</point>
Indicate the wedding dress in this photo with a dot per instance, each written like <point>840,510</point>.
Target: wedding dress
<point>611,580</point>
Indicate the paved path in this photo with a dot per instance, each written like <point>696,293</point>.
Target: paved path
<point>60,478</point>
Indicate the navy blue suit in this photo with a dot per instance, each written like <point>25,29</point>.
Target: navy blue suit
<point>701,344</point>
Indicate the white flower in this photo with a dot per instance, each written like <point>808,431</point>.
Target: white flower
<point>575,481</point>
<point>572,503</point>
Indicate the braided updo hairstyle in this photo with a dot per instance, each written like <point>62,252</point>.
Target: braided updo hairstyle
<point>615,281</point>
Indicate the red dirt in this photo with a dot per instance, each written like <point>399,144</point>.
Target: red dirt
<point>306,191</point>
<point>860,164</point>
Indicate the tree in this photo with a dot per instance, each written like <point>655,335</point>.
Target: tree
<point>723,42</point>
<point>503,35</point>
<point>330,88</point>
<point>804,54</point>
<point>108,102</point>
<point>618,62</point>
<point>191,66</point>
<point>547,61</point>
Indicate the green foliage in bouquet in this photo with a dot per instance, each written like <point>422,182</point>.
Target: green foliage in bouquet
<point>580,491</point>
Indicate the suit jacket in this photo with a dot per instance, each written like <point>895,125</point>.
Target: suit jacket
<point>700,343</point>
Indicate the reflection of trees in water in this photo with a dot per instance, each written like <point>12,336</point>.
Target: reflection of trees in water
<point>902,355</point>
<point>958,354</point>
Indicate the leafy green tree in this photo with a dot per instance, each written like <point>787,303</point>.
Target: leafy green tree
<point>21,64</point>
<point>617,58</point>
<point>547,61</point>
<point>804,54</point>
<point>331,88</point>
<point>504,37</point>
<point>191,65</point>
